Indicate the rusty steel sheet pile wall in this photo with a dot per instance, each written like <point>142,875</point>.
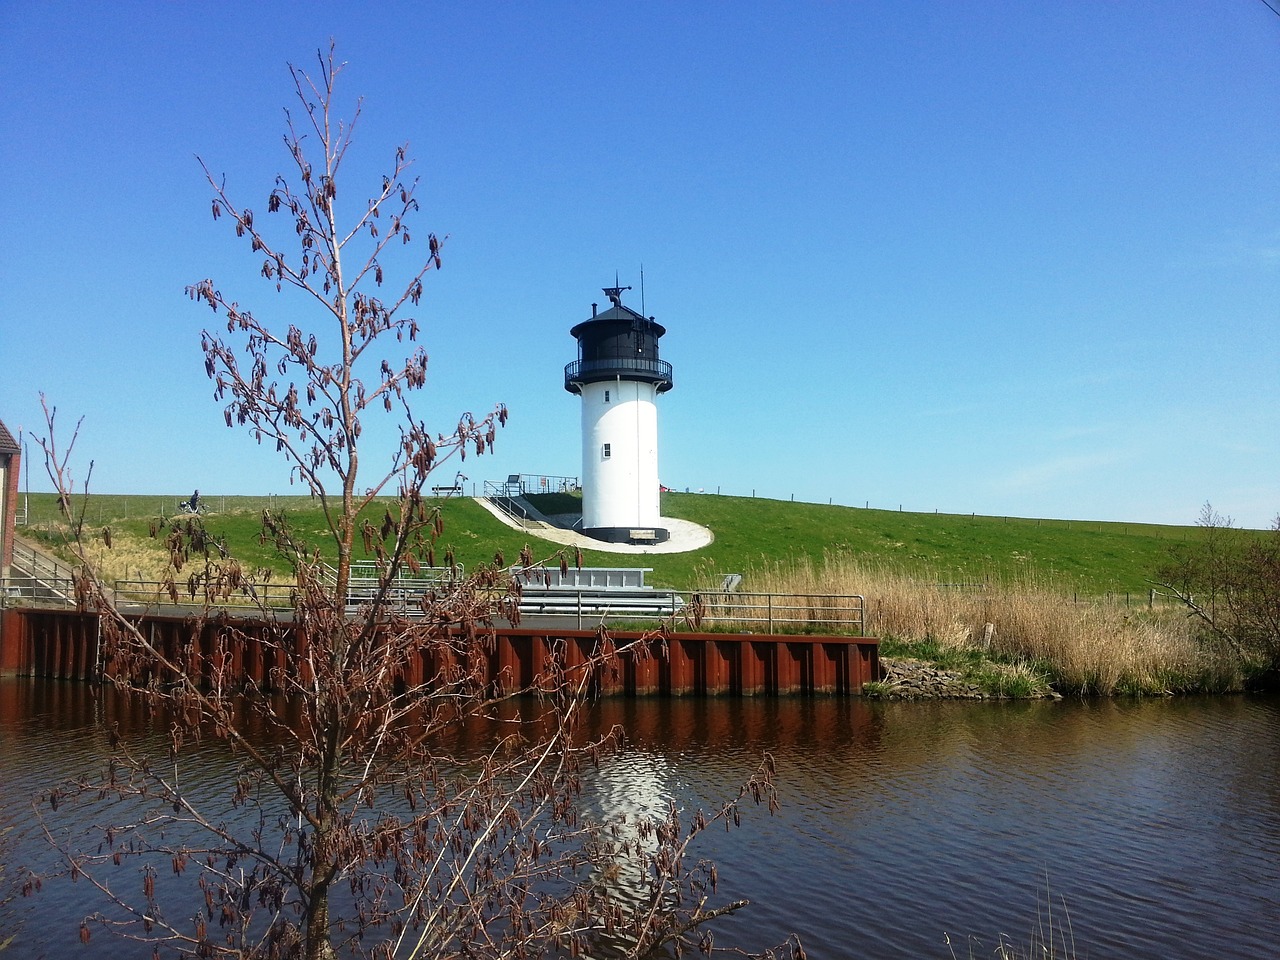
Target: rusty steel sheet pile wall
<point>66,645</point>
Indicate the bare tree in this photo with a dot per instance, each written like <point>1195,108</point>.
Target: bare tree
<point>357,820</point>
<point>1229,579</point>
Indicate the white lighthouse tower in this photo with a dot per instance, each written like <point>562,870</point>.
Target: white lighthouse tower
<point>619,375</point>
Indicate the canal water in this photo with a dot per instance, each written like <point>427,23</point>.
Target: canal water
<point>1136,829</point>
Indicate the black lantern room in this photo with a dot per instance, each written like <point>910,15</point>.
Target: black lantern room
<point>617,344</point>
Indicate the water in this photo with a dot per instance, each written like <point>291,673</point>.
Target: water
<point>1137,829</point>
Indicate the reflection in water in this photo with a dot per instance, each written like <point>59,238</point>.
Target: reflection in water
<point>1157,822</point>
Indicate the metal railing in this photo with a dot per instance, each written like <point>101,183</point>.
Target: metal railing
<point>634,368</point>
<point>587,597</point>
<point>43,577</point>
<point>777,612</point>
<point>581,578</point>
<point>502,489</point>
<point>59,591</point>
<point>250,596</point>
<point>510,504</point>
<point>520,484</point>
<point>585,607</point>
<point>588,607</point>
<point>404,593</point>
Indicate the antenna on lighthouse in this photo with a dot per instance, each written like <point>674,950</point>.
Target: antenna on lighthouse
<point>642,289</point>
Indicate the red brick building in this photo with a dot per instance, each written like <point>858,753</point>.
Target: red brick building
<point>10,461</point>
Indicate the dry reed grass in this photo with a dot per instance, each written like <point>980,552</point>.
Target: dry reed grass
<point>1086,646</point>
<point>130,557</point>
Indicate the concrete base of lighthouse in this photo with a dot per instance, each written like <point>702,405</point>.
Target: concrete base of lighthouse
<point>628,534</point>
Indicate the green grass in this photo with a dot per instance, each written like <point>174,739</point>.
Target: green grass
<point>1090,557</point>
<point>1096,558</point>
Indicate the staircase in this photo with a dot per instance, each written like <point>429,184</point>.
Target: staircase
<point>509,499</point>
<point>36,575</point>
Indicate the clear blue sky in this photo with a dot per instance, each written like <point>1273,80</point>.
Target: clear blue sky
<point>1008,258</point>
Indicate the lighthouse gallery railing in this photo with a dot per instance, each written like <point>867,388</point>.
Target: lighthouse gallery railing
<point>583,370</point>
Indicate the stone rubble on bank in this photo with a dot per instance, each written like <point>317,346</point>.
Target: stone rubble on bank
<point>911,679</point>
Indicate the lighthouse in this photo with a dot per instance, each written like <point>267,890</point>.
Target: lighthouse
<point>618,375</point>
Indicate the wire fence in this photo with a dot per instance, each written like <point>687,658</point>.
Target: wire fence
<point>41,511</point>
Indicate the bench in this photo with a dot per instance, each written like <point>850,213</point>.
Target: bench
<point>648,536</point>
<point>456,488</point>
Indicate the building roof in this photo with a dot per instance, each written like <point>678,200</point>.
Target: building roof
<point>7,443</point>
<point>616,314</point>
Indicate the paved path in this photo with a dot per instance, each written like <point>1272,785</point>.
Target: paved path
<point>685,535</point>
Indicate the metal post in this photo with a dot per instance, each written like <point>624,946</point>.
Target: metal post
<point>97,672</point>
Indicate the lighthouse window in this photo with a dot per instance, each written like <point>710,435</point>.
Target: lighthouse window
<point>607,452</point>
<point>606,396</point>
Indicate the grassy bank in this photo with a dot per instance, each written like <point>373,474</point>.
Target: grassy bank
<point>1085,558</point>
<point>1005,633</point>
<point>1090,557</point>
<point>1065,600</point>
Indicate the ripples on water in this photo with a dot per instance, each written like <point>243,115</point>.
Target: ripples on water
<point>1157,822</point>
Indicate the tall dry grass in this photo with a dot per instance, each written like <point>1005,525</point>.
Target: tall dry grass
<point>130,556</point>
<point>1086,645</point>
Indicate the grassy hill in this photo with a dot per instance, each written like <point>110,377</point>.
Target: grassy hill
<point>1092,558</point>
